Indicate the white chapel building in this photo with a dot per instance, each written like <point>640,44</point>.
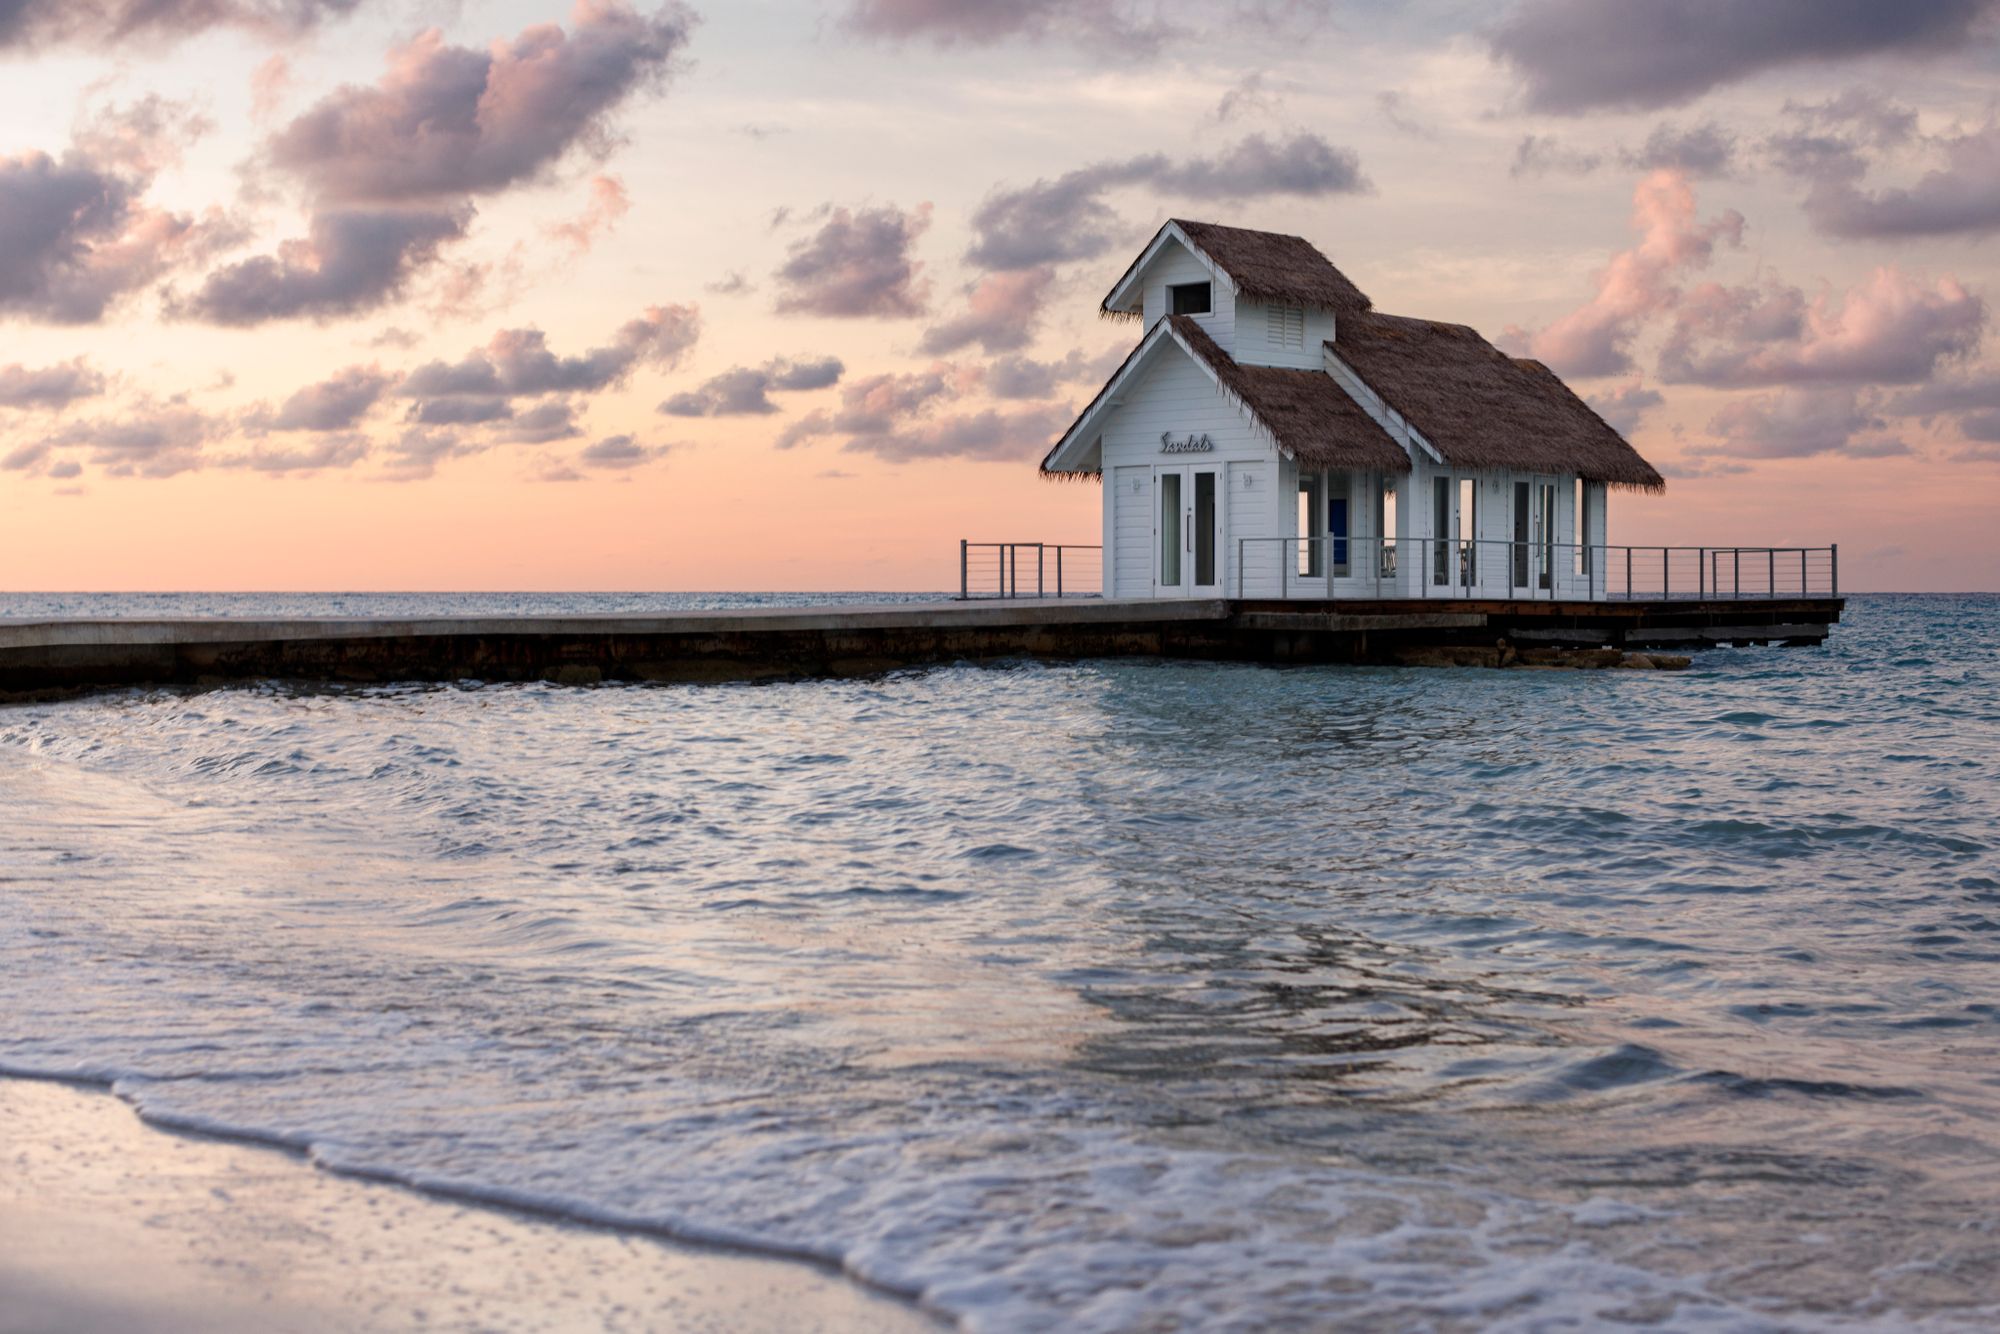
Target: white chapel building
<point>1273,435</point>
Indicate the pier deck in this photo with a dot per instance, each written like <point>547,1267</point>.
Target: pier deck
<point>44,658</point>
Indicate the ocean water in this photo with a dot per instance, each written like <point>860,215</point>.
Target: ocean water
<point>1109,996</point>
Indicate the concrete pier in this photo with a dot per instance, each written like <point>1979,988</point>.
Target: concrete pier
<point>47,658</point>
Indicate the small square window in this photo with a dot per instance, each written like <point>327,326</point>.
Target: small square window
<point>1188,299</point>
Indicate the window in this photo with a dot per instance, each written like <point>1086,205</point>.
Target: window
<point>1286,326</point>
<point>1468,531</point>
<point>1310,547</point>
<point>1385,527</point>
<point>1187,299</point>
<point>1582,526</point>
<point>1441,530</point>
<point>1336,521</point>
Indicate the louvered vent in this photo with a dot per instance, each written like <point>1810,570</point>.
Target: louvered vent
<point>1287,326</point>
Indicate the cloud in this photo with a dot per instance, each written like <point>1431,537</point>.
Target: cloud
<point>517,362</point>
<point>744,391</point>
<point>1540,154</point>
<point>352,261</point>
<point>150,439</point>
<point>991,434</point>
<point>392,168</point>
<point>619,451</point>
<point>1305,165</point>
<point>904,416</point>
<point>415,455</point>
<point>541,424</point>
<point>330,451</point>
<point>857,265</point>
<point>1245,96</point>
<point>1002,314</point>
<point>445,122</point>
<point>733,283</point>
<point>1017,377</point>
<point>1624,407</point>
<point>985,22</point>
<point>1055,221</point>
<point>608,203</point>
<point>1394,108</point>
<point>27,24</point>
<point>1799,423</point>
<point>52,388</point>
<point>463,411</point>
<point>1959,198</point>
<point>1970,402</point>
<point>334,404</point>
<point>1891,329</point>
<point>1978,392</point>
<point>1701,150</point>
<point>76,236</point>
<point>1637,284</point>
<point>1576,56</point>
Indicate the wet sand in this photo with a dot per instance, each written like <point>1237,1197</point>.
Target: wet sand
<point>108,1223</point>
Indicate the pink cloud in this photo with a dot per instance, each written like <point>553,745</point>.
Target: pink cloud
<point>1637,284</point>
<point>1892,329</point>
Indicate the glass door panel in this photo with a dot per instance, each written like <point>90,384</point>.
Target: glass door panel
<point>1205,574</point>
<point>1171,530</point>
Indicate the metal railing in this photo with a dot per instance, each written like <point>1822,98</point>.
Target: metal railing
<point>1428,567</point>
<point>1029,570</point>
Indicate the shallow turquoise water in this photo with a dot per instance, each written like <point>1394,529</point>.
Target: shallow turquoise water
<point>1128,995</point>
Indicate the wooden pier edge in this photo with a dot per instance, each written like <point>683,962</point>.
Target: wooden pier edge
<point>41,659</point>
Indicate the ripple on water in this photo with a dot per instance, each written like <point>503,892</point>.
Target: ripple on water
<point>1103,996</point>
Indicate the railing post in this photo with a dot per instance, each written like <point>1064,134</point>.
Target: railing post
<point>1059,590</point>
<point>1665,574</point>
<point>1771,578</point>
<point>1802,571</point>
<point>1628,574</point>
<point>1736,572</point>
<point>1834,551</point>
<point>1701,575</point>
<point>1041,559</point>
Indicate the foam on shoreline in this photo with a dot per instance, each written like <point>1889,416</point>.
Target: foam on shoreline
<point>113,1224</point>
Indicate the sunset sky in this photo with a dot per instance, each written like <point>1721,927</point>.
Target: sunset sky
<point>793,294</point>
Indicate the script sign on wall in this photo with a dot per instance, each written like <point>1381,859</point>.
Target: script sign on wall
<point>1186,444</point>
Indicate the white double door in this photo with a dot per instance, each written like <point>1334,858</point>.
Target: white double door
<point>1187,531</point>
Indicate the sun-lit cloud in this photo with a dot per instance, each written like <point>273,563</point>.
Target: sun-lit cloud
<point>1639,283</point>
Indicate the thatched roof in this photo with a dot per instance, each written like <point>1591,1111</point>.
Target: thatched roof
<point>1311,416</point>
<point>1482,408</point>
<point>1265,266</point>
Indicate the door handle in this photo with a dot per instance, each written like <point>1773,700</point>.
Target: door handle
<point>1187,532</point>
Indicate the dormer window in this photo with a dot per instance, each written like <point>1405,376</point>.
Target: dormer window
<point>1188,299</point>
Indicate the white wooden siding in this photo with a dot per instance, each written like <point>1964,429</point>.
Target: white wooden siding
<point>1256,347</point>
<point>1132,533</point>
<point>1253,503</point>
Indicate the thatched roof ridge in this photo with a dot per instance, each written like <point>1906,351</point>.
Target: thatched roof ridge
<point>1265,266</point>
<point>1483,409</point>
<point>1309,414</point>
<point>1271,266</point>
